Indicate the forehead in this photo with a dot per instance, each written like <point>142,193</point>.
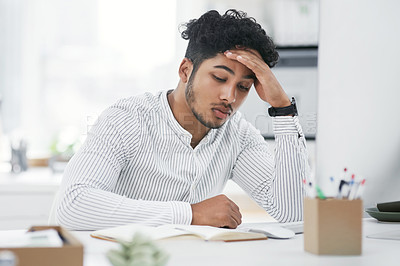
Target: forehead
<point>221,60</point>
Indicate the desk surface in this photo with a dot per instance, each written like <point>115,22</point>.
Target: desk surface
<point>262,252</point>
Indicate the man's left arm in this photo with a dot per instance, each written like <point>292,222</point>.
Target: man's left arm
<point>275,182</point>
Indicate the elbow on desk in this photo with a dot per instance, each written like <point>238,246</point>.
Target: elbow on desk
<point>288,215</point>
<point>68,210</point>
<point>289,219</point>
<point>65,215</point>
<point>62,218</point>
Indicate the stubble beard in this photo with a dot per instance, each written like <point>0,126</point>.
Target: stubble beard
<point>190,99</point>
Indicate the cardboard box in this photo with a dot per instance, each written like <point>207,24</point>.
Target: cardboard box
<point>71,254</point>
<point>333,226</point>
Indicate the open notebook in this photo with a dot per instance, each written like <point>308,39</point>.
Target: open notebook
<point>179,231</point>
<point>171,231</point>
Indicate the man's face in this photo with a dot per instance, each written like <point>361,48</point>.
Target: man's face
<point>218,89</point>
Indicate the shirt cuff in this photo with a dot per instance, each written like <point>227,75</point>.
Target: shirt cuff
<point>181,212</point>
<point>286,125</point>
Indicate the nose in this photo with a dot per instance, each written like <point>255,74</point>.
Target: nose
<point>228,94</point>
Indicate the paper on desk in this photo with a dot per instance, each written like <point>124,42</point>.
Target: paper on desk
<point>392,235</point>
<point>44,238</point>
<point>296,227</point>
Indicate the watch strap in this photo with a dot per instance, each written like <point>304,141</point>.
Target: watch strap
<point>284,111</point>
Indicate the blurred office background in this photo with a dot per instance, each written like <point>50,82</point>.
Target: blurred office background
<point>63,62</point>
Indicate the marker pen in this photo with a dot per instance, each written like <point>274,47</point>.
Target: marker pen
<point>320,194</point>
<point>351,183</point>
<point>343,189</point>
<point>354,190</point>
<point>360,189</point>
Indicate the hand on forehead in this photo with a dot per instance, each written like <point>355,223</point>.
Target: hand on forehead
<point>245,50</point>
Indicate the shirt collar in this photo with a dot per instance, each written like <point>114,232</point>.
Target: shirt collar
<point>166,109</point>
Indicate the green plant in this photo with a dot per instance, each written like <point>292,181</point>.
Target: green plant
<point>140,251</point>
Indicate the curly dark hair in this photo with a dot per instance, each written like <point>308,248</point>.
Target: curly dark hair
<point>212,34</point>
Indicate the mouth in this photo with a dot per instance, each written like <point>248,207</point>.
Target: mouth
<point>221,112</point>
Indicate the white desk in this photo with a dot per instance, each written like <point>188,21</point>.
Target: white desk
<point>253,253</point>
<point>264,252</point>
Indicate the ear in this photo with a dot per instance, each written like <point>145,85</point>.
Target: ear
<point>185,69</point>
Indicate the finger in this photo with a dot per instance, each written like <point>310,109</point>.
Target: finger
<point>231,223</point>
<point>247,51</point>
<point>237,217</point>
<point>234,54</point>
<point>250,61</point>
<point>235,212</point>
<point>249,64</point>
<point>228,222</point>
<point>250,57</point>
<point>234,206</point>
<point>258,68</point>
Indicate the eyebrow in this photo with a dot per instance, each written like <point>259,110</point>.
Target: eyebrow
<point>251,76</point>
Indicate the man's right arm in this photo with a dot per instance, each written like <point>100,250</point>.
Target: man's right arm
<point>218,211</point>
<point>86,199</point>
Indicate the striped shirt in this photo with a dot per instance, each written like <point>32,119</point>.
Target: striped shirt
<point>137,166</point>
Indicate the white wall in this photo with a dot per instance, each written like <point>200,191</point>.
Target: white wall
<point>359,92</point>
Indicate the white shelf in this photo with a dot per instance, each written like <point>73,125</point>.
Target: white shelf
<point>26,198</point>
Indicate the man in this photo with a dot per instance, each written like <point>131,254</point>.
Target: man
<point>165,158</point>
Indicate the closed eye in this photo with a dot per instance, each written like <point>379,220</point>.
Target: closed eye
<point>219,79</point>
<point>244,88</point>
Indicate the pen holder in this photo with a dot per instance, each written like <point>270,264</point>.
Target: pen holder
<point>333,226</point>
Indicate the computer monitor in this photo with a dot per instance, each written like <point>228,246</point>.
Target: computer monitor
<point>358,123</point>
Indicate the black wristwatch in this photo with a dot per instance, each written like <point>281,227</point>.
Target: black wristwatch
<point>284,111</point>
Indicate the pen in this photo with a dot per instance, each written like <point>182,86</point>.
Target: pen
<point>332,179</point>
<point>307,187</point>
<point>320,194</point>
<point>310,185</point>
<point>350,185</point>
<point>344,175</point>
<point>342,184</point>
<point>354,190</point>
<point>343,187</point>
<point>360,189</point>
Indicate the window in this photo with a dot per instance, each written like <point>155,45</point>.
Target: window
<point>63,62</point>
